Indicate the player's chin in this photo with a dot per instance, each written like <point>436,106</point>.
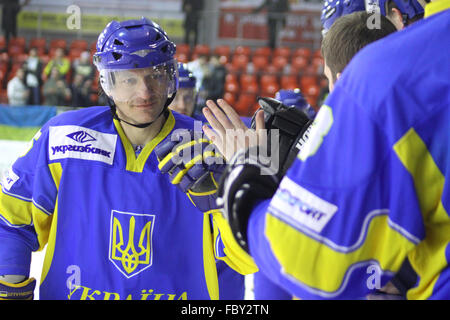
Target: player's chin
<point>147,113</point>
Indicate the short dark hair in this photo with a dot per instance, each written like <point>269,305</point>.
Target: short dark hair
<point>348,35</point>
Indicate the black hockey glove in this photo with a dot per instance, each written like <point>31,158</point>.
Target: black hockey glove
<point>245,181</point>
<point>293,125</point>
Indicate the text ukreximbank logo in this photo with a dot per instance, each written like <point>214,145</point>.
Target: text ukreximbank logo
<point>81,143</point>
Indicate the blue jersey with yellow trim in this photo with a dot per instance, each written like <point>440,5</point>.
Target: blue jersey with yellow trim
<point>114,226</point>
<point>371,186</point>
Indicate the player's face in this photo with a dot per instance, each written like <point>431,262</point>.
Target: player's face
<point>140,94</point>
<point>184,101</point>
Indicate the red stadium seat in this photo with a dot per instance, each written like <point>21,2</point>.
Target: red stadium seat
<point>240,62</point>
<point>38,43</point>
<point>307,81</point>
<point>79,44</point>
<point>282,51</point>
<point>311,93</point>
<point>244,50</point>
<point>17,41</point>
<point>298,64</point>
<point>250,87</point>
<point>201,49</point>
<point>263,51</point>
<point>289,81</point>
<point>280,62</point>
<point>183,48</point>
<point>269,89</point>
<point>14,50</point>
<point>75,53</point>
<point>245,103</point>
<point>260,63</point>
<point>246,78</point>
<point>19,58</point>
<point>232,86</point>
<point>182,57</point>
<point>2,42</point>
<point>58,43</point>
<point>266,79</point>
<point>231,77</point>
<point>304,52</point>
<point>4,57</point>
<point>311,90</point>
<point>271,69</point>
<point>222,50</point>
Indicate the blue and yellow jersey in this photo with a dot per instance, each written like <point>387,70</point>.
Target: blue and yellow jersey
<point>371,187</point>
<point>114,226</point>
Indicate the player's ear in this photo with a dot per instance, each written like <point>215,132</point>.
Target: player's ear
<point>338,75</point>
<point>396,18</point>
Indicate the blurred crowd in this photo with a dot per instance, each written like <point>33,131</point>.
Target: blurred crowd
<point>60,82</point>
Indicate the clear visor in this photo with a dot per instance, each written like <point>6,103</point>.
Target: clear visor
<point>153,83</point>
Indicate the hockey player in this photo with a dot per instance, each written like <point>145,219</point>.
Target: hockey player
<point>184,101</point>
<point>89,188</point>
<point>381,142</point>
<point>347,38</point>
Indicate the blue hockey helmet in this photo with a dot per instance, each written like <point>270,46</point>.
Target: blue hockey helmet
<point>295,98</point>
<point>132,55</point>
<point>185,77</point>
<point>333,9</point>
<point>291,98</point>
<point>135,44</point>
<point>408,8</point>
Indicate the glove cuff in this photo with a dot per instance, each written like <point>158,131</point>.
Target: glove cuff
<point>17,291</point>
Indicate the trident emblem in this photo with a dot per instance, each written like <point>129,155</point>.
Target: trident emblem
<point>129,256</point>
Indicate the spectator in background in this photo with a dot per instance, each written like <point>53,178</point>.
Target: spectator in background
<point>214,80</point>
<point>10,10</point>
<point>81,91</point>
<point>60,62</point>
<point>192,15</point>
<point>33,68</point>
<point>199,67</point>
<point>56,92</point>
<point>17,90</point>
<point>276,19</point>
<point>83,66</point>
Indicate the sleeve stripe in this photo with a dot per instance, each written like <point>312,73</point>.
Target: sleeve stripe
<point>311,258</point>
<point>362,236</point>
<point>14,225</point>
<point>41,208</point>
<point>16,195</point>
<point>341,289</point>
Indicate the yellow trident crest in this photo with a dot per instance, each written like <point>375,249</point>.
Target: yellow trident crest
<point>131,257</point>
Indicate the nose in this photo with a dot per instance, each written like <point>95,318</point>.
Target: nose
<point>143,90</point>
